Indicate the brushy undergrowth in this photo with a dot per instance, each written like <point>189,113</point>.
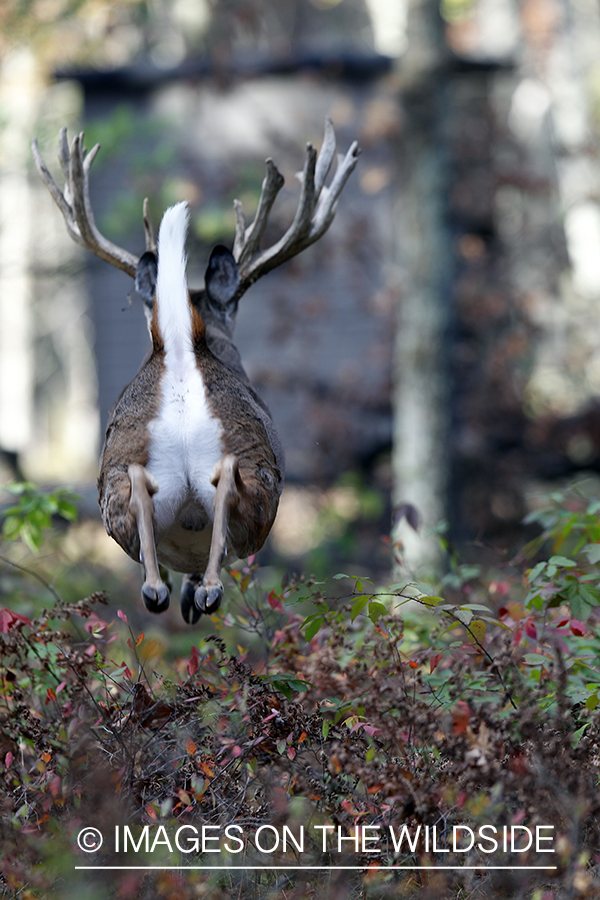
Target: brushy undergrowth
<point>349,716</point>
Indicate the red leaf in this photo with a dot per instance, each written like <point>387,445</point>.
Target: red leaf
<point>371,730</point>
<point>578,628</point>
<point>274,602</point>
<point>192,666</point>
<point>121,615</point>
<point>236,751</point>
<point>413,664</point>
<point>518,634</point>
<point>530,629</point>
<point>8,618</point>
<point>8,759</point>
<point>434,662</point>
<point>460,717</point>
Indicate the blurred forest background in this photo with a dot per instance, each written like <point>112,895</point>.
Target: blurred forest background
<point>439,346</point>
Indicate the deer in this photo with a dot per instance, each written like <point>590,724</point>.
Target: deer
<point>192,466</point>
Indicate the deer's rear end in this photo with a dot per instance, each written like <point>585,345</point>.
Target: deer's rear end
<point>188,467</point>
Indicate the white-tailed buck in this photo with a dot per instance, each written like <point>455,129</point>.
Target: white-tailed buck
<point>192,467</point>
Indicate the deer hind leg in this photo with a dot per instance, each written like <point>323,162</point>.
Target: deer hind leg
<point>155,592</point>
<point>189,611</point>
<point>203,595</point>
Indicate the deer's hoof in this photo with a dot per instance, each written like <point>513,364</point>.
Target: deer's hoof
<point>189,610</point>
<point>156,597</point>
<point>207,598</point>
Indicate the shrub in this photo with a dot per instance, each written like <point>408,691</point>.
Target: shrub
<point>352,712</point>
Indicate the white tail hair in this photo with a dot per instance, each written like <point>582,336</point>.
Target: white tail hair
<point>174,313</point>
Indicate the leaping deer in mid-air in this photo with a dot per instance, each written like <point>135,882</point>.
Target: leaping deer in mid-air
<point>192,466</point>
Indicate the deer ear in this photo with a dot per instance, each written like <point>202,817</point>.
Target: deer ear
<point>145,278</point>
<point>222,278</point>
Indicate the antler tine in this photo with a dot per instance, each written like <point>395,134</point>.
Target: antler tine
<point>74,202</point>
<point>84,216</point>
<point>247,240</point>
<point>325,157</point>
<point>327,204</point>
<point>148,230</point>
<point>316,209</point>
<point>292,241</point>
<point>63,153</point>
<point>55,191</point>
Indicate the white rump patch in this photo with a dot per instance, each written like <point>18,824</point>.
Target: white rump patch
<point>185,438</point>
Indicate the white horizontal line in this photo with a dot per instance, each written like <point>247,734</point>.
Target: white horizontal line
<point>328,868</point>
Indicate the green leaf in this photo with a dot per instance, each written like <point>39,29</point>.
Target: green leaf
<point>297,685</point>
<point>562,561</point>
<point>577,735</point>
<point>430,600</point>
<point>579,607</point>
<point>340,575</point>
<point>32,537</point>
<point>590,594</point>
<point>358,606</point>
<point>11,527</point>
<point>536,571</point>
<point>314,628</point>
<point>117,672</point>
<point>284,688</point>
<point>536,602</point>
<point>67,510</point>
<point>537,659</point>
<point>453,624</point>
<point>476,631</point>
<point>325,729</point>
<point>376,610</point>
<point>464,615</point>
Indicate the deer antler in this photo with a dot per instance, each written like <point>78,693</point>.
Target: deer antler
<point>75,205</point>
<point>316,209</point>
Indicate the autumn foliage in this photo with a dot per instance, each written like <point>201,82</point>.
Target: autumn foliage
<point>342,708</point>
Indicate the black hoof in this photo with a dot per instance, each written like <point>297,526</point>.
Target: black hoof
<point>157,599</point>
<point>189,610</point>
<point>208,599</point>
